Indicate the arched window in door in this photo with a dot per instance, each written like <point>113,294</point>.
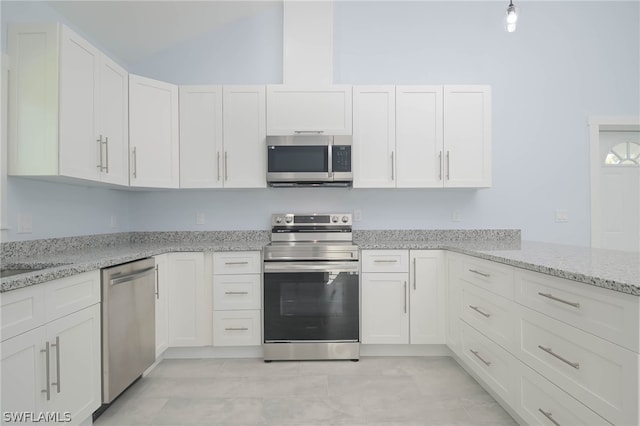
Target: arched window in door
<point>624,153</point>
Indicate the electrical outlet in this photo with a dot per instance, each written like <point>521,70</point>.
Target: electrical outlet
<point>200,218</point>
<point>25,224</point>
<point>357,215</point>
<point>114,221</point>
<point>456,216</point>
<point>562,216</point>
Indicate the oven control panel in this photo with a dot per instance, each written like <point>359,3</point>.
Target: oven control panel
<point>309,220</point>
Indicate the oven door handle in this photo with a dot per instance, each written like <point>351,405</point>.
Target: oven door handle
<point>319,266</point>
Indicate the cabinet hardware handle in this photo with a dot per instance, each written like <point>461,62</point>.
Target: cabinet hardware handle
<point>480,273</point>
<point>549,416</point>
<point>226,166</point>
<point>478,310</point>
<point>440,164</point>
<point>99,140</point>
<point>236,329</point>
<point>218,165</point>
<point>385,261</point>
<point>106,152</point>
<point>57,345</point>
<point>135,163</point>
<point>448,167</point>
<point>405,297</point>
<point>157,283</point>
<point>244,262</point>
<point>236,292</point>
<point>552,297</point>
<point>308,131</point>
<point>477,354</point>
<point>414,273</point>
<point>550,351</point>
<point>392,166</point>
<point>47,372</point>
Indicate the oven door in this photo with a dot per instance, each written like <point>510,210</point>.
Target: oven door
<point>311,302</point>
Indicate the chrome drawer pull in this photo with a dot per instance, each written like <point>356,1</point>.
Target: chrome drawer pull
<point>477,354</point>
<point>549,416</point>
<point>484,314</point>
<point>47,371</point>
<point>552,297</point>
<point>385,261</point>
<point>57,346</point>
<point>236,263</point>
<point>236,329</point>
<point>575,365</point>
<point>480,273</point>
<point>236,292</point>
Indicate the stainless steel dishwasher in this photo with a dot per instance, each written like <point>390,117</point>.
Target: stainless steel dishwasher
<point>128,325</point>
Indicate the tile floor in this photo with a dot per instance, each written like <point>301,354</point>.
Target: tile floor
<point>403,391</point>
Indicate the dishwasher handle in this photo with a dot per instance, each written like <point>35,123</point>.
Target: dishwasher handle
<point>132,277</point>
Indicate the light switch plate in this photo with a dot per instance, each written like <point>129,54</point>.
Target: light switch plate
<point>25,224</point>
<point>200,218</point>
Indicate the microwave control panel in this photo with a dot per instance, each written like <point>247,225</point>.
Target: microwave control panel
<point>341,158</point>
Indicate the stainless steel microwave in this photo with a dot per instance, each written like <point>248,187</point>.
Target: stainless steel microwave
<point>309,160</point>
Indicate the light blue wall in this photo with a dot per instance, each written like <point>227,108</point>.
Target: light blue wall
<point>566,62</point>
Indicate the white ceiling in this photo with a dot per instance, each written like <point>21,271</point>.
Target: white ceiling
<point>133,30</point>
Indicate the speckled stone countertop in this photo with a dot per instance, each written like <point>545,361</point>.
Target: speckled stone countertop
<point>614,270</point>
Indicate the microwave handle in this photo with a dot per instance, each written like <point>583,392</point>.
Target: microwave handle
<point>314,132</point>
<point>330,160</point>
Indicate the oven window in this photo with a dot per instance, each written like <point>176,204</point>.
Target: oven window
<point>311,306</point>
<point>287,159</point>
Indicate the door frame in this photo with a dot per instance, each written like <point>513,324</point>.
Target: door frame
<point>596,125</point>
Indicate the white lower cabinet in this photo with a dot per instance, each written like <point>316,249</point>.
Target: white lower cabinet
<point>162,304</point>
<point>55,367</point>
<point>189,306</point>
<point>545,345</point>
<point>237,298</point>
<point>403,297</point>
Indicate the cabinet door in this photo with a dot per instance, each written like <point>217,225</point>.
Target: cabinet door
<point>162,305</point>
<point>374,137</point>
<point>200,136</point>
<point>78,147</point>
<point>113,122</point>
<point>153,133</point>
<point>190,310</point>
<point>453,267</point>
<point>75,363</point>
<point>385,308</point>
<point>427,297</point>
<point>294,110</point>
<point>245,147</point>
<point>467,140</point>
<point>419,153</point>
<point>23,374</point>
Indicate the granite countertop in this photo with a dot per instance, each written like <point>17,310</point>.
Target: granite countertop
<point>614,270</point>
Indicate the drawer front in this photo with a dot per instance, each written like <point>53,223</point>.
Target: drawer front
<point>236,292</point>
<point>542,403</point>
<point>236,328</point>
<point>237,262</point>
<point>492,363</point>
<point>596,372</point>
<point>599,311</point>
<point>385,261</point>
<point>490,314</point>
<point>491,276</point>
<point>71,294</point>
<point>22,310</point>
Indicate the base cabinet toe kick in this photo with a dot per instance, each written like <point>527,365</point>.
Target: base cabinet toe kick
<point>564,353</point>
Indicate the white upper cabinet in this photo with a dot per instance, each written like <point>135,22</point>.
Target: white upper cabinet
<point>153,133</point>
<point>298,110</point>
<point>69,107</point>
<point>374,136</point>
<point>245,135</point>
<point>467,133</point>
<point>422,136</point>
<point>419,136</point>
<point>201,137</point>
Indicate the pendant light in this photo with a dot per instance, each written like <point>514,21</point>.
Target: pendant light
<point>511,17</point>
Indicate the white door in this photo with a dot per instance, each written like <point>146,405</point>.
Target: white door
<point>385,308</point>
<point>374,136</point>
<point>245,135</point>
<point>200,136</point>
<point>618,175</point>
<point>427,297</point>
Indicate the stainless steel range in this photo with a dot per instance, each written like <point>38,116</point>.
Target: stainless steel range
<point>311,288</point>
